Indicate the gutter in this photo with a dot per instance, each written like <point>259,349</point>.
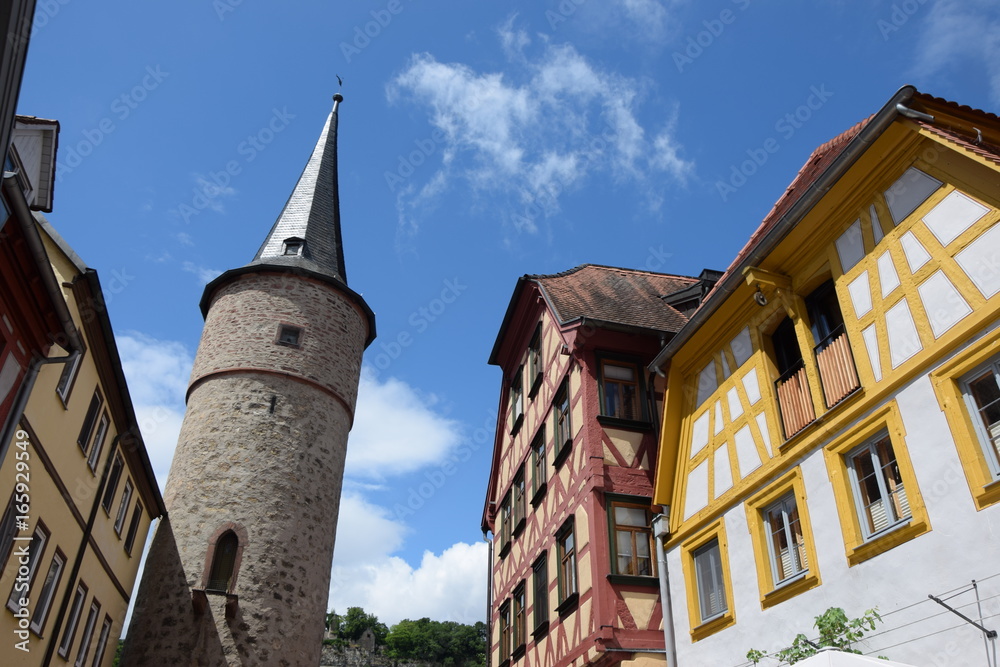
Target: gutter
<point>815,192</point>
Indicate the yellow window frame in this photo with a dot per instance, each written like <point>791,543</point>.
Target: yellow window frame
<point>699,629</point>
<point>856,547</point>
<point>946,380</point>
<point>770,593</point>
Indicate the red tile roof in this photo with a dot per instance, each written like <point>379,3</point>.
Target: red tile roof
<point>610,294</point>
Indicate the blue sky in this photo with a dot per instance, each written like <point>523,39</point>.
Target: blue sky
<point>478,142</point>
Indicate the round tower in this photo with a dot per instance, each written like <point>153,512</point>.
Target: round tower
<point>239,570</point>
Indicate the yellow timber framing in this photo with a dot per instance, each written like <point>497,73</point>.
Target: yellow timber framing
<point>902,145</point>
<point>699,630</point>
<point>947,386</point>
<point>770,594</point>
<point>857,549</point>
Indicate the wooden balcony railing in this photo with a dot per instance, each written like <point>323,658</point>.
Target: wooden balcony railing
<point>794,401</point>
<point>837,372</point>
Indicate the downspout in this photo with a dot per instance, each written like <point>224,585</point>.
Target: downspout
<point>489,599</point>
<point>661,530</point>
<point>78,563</point>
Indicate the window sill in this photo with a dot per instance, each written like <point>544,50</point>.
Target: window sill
<point>535,385</point>
<point>504,663</point>
<point>562,455</point>
<point>627,424</point>
<point>517,424</point>
<point>789,589</point>
<point>539,494</point>
<point>879,544</point>
<point>540,630</point>
<point>504,550</point>
<point>518,652</point>
<point>518,527</point>
<point>634,580</point>
<point>711,627</point>
<point>989,495</point>
<point>568,605</point>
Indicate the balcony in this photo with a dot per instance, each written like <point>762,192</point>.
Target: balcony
<point>794,401</point>
<point>837,372</point>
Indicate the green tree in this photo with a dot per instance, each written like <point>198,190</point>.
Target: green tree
<point>443,643</point>
<point>835,629</point>
<point>354,623</point>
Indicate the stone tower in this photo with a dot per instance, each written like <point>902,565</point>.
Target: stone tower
<point>239,570</point>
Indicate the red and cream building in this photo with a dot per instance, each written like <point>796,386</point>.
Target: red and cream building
<point>573,573</point>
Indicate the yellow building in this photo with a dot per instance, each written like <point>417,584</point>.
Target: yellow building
<point>78,494</point>
<point>831,420</point>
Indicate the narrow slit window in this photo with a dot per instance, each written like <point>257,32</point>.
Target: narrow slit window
<point>223,562</point>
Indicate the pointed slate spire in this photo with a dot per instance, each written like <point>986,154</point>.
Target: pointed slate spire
<point>307,234</point>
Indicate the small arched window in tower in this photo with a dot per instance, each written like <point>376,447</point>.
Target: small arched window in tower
<point>293,246</point>
<point>223,562</point>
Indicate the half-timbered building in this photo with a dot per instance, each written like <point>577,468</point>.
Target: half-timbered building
<point>573,569</point>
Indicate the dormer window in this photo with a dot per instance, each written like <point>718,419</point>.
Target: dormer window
<point>293,246</point>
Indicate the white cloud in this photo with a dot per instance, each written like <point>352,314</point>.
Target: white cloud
<point>212,193</point>
<point>185,238</point>
<point>956,33</point>
<point>535,132</point>
<point>157,373</point>
<point>396,430</point>
<point>205,274</point>
<point>446,587</point>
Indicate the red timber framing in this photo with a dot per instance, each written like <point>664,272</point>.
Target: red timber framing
<point>597,483</point>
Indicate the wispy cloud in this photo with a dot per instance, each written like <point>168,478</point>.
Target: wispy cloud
<point>959,34</point>
<point>527,136</point>
<point>205,274</point>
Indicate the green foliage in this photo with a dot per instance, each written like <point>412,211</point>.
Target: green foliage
<point>118,653</point>
<point>444,643</point>
<point>353,624</point>
<point>835,629</point>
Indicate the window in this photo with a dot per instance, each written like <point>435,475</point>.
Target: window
<point>878,501</point>
<point>8,528</point>
<point>705,564</point>
<point>792,385</point>
<point>838,376</point>
<point>517,400</point>
<point>505,632</point>
<point>133,527</point>
<point>964,388</point>
<point>540,591</point>
<point>519,618</point>
<point>112,487</point>
<point>95,452</point>
<point>519,501</point>
<point>293,246</point>
<point>102,642</point>
<point>289,335</point>
<point>49,585</point>
<point>982,392</point>
<point>505,524</point>
<point>621,395</point>
<point>223,562</point>
<point>74,618</point>
<point>36,547</point>
<point>632,538</point>
<point>566,553</point>
<point>879,493</point>
<point>123,507</point>
<point>88,421</point>
<point>782,540</point>
<point>562,426</point>
<point>88,634</point>
<point>68,377</point>
<point>538,470</point>
<point>535,361</point>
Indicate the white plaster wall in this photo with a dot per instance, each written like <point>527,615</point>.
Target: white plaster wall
<point>963,544</point>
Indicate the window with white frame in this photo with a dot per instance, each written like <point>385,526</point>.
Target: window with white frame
<point>69,632</point>
<point>94,459</point>
<point>87,429</point>
<point>123,507</point>
<point>785,543</point>
<point>517,399</point>
<point>48,590</point>
<point>710,580</point>
<point>68,377</point>
<point>112,487</point>
<point>102,642</point>
<point>879,494</point>
<point>88,634</point>
<point>632,538</point>
<point>982,393</point>
<point>19,591</point>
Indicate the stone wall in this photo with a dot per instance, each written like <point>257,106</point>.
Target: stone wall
<point>355,656</point>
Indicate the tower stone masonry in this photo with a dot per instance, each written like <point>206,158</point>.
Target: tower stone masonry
<point>239,570</point>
